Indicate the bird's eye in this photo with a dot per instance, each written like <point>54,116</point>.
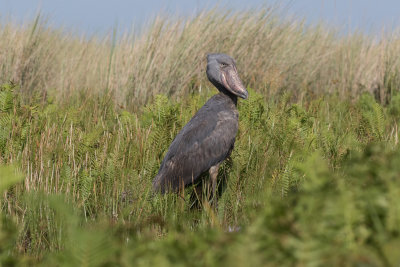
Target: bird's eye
<point>223,65</point>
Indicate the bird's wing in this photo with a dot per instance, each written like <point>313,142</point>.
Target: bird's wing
<point>202,143</point>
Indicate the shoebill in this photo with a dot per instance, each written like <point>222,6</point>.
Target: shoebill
<point>208,138</point>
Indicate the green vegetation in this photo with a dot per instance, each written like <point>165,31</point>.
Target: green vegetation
<point>314,178</point>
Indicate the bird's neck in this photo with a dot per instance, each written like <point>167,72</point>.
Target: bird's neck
<point>225,92</point>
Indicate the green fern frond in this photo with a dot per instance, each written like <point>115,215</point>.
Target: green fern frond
<point>373,117</point>
<point>6,98</point>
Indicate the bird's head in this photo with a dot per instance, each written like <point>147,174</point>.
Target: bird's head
<point>222,72</point>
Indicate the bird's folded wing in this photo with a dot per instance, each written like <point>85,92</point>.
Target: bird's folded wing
<point>197,148</point>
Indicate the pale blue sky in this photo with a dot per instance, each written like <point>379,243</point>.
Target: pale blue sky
<point>99,16</point>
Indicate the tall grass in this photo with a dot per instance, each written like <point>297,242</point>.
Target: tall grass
<point>313,178</point>
<point>274,54</point>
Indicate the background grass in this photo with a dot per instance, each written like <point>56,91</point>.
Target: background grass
<point>168,57</point>
<point>84,124</point>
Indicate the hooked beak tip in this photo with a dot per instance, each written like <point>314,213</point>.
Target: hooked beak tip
<point>245,95</point>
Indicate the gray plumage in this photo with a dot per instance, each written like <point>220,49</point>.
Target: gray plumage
<point>208,138</point>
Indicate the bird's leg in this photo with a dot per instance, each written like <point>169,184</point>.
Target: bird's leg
<point>213,176</point>
<point>181,194</point>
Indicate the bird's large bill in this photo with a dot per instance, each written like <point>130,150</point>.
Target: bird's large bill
<point>231,81</point>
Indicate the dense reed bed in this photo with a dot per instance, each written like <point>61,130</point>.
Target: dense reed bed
<point>168,57</point>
